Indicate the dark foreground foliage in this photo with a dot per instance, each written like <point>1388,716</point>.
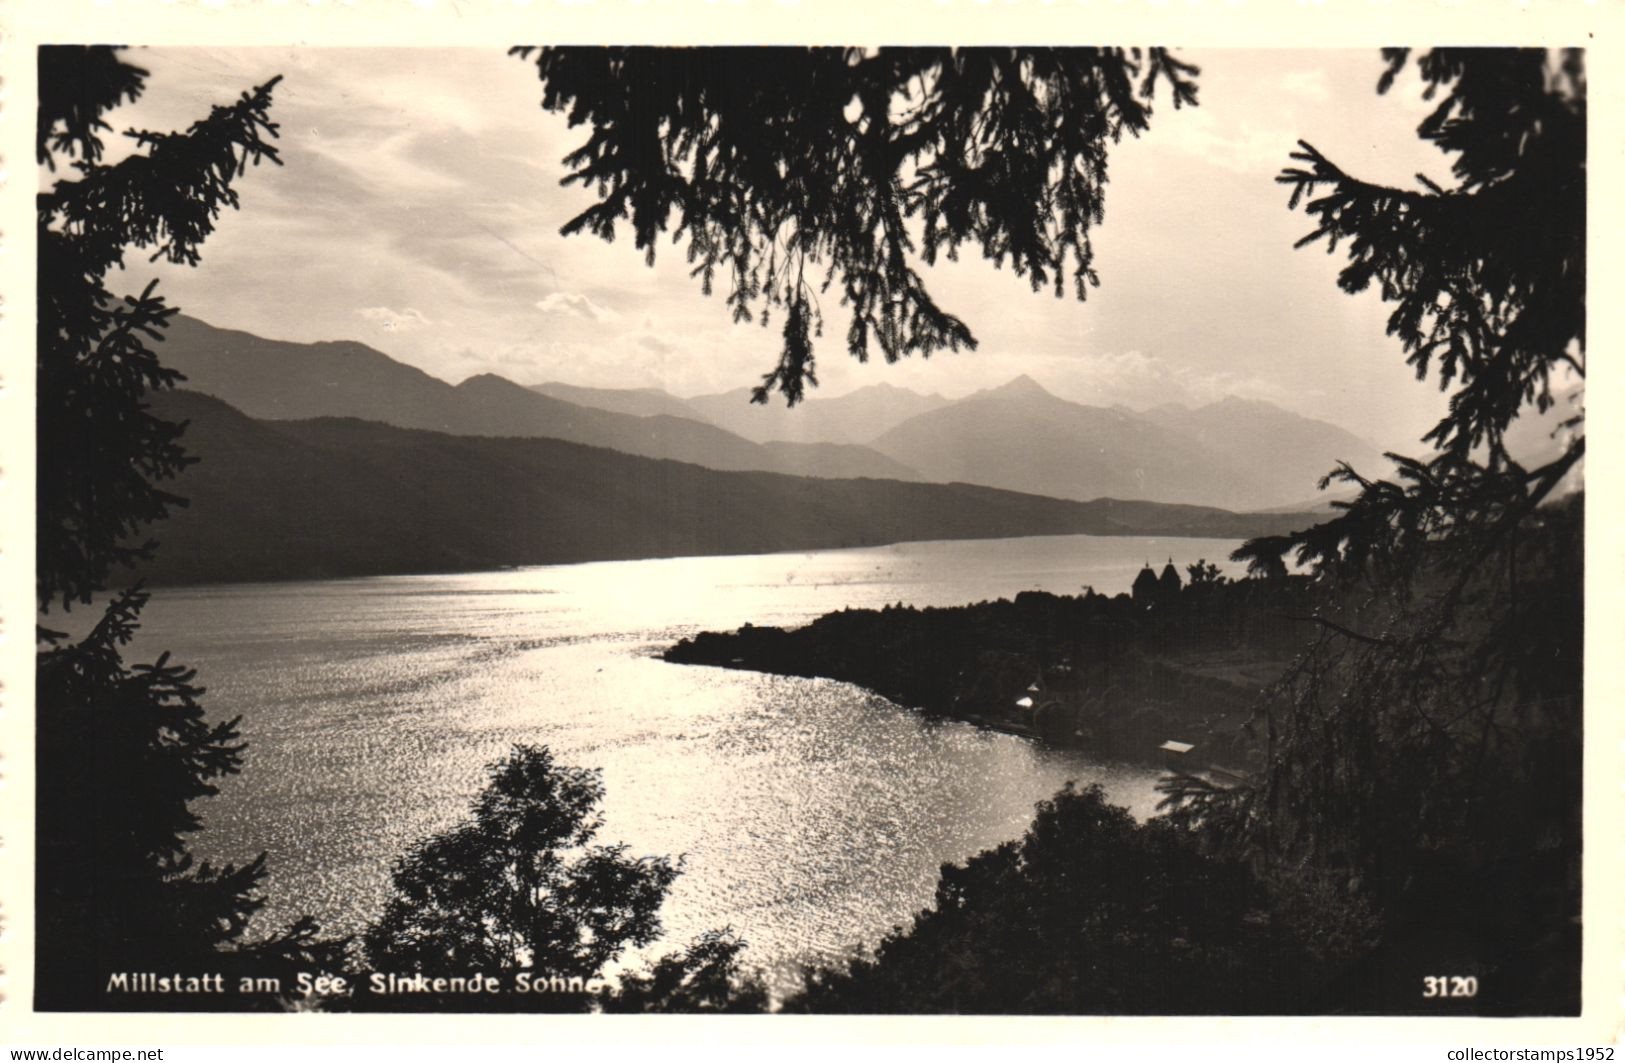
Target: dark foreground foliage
<point>1425,760</point>
<point>102,452</point>
<point>706,978</point>
<point>123,752</point>
<point>1417,814</point>
<point>1425,754</point>
<point>522,892</point>
<point>1089,913</point>
<point>1417,811</point>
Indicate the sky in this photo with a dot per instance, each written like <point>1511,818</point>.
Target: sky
<point>418,211</point>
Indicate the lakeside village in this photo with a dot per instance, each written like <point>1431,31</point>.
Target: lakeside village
<point>1166,674</point>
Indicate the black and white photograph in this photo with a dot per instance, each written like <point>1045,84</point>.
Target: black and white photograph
<point>918,529</point>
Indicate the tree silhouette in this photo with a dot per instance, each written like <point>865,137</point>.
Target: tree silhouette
<point>522,887</point>
<point>1488,282</point>
<point>101,452</point>
<point>1088,913</point>
<point>1427,746</point>
<point>521,884</point>
<point>707,977</point>
<point>795,170</point>
<point>1203,572</point>
<point>123,752</point>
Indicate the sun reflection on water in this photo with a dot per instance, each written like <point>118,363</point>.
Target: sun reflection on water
<point>811,815</point>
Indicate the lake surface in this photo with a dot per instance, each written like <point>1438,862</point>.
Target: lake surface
<point>811,816</point>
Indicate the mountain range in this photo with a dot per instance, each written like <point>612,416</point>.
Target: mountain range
<point>855,417</point>
<point>1026,439</point>
<point>332,497</point>
<point>277,380</point>
<point>1234,454</point>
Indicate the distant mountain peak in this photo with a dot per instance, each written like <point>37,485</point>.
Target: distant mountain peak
<point>883,391</point>
<point>1021,387</point>
<point>487,380</point>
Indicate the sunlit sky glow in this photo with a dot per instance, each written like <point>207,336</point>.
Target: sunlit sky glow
<point>419,209</point>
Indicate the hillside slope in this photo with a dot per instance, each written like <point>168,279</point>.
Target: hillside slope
<point>342,497</point>
<point>278,380</point>
<point>1023,438</point>
<point>1238,454</point>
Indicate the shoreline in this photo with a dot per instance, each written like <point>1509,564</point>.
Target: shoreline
<point>155,581</point>
<point>1116,677</point>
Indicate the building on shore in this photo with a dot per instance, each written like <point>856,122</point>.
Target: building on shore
<point>1149,588</point>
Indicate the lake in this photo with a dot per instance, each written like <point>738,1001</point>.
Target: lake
<point>811,816</point>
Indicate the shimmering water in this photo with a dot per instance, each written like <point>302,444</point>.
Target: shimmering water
<point>810,815</point>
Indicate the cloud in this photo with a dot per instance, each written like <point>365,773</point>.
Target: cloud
<point>1311,84</point>
<point>1226,141</point>
<point>525,362</point>
<point>1141,381</point>
<point>407,320</point>
<point>429,180</point>
<point>575,305</point>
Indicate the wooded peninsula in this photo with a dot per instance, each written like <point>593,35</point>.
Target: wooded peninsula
<point>1175,664</point>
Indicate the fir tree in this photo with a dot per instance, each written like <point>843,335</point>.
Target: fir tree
<point>1425,751</point>
<point>102,453</point>
<point>1488,284</point>
<point>792,171</point>
<point>122,751</point>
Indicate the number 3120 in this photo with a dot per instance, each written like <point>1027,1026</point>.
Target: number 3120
<point>1449,986</point>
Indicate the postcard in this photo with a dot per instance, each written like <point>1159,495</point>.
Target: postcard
<point>955,514</point>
